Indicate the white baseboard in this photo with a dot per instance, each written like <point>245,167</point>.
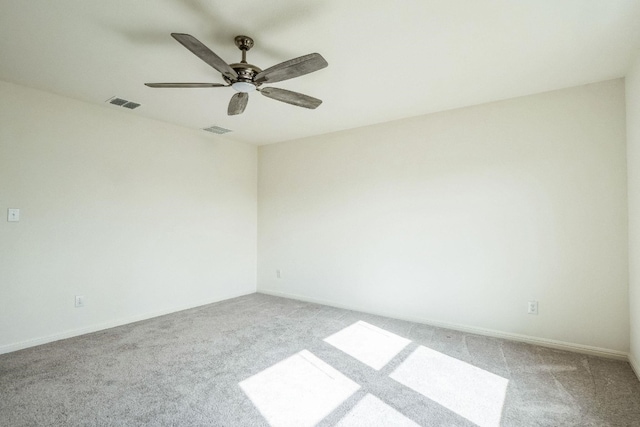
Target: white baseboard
<point>559,345</point>
<point>634,365</point>
<point>8,348</point>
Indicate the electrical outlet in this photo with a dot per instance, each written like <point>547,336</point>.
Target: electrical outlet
<point>13,215</point>
<point>278,274</point>
<point>79,301</point>
<point>532,307</point>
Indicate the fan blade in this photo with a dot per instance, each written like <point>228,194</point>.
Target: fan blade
<point>204,53</point>
<point>238,103</point>
<point>292,68</point>
<point>185,85</point>
<point>293,98</point>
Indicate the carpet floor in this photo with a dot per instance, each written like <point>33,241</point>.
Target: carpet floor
<point>260,360</point>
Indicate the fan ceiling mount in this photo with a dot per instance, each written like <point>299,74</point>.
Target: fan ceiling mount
<point>245,77</point>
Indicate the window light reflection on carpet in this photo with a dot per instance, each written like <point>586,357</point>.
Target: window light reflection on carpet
<point>298,391</point>
<point>373,346</point>
<point>467,390</point>
<point>371,411</point>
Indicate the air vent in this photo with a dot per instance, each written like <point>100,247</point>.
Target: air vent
<point>118,101</point>
<point>122,103</point>
<point>217,130</point>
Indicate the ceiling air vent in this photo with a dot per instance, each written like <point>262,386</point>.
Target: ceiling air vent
<point>118,101</point>
<point>217,130</point>
<point>122,102</point>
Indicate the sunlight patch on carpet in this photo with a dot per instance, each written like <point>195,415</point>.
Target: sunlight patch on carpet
<point>371,411</point>
<point>298,391</point>
<point>372,346</point>
<point>467,390</point>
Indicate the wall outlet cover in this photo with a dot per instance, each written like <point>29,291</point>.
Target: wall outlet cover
<point>13,215</point>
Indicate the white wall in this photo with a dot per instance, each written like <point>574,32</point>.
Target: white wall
<point>461,217</point>
<point>633,164</point>
<point>458,217</point>
<point>139,216</point>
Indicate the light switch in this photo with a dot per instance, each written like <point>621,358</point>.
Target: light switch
<point>13,215</point>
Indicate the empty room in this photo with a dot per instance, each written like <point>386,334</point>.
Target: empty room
<point>320,213</point>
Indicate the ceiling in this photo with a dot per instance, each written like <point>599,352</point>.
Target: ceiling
<point>387,59</point>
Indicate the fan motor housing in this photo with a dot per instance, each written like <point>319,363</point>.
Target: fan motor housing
<point>246,72</point>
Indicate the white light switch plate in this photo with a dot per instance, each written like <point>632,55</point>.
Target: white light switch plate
<point>13,215</point>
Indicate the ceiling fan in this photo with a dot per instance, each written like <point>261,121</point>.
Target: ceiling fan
<point>245,77</point>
